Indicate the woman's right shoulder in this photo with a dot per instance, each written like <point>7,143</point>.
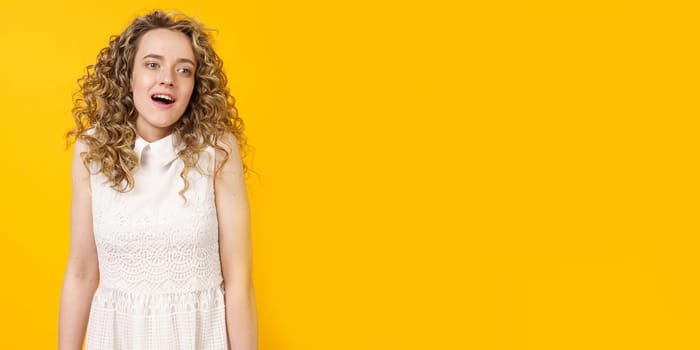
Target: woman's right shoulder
<point>80,139</point>
<point>80,147</point>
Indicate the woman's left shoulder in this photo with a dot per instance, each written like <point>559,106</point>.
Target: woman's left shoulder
<point>228,141</point>
<point>227,144</point>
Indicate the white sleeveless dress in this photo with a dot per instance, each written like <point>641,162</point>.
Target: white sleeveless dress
<point>160,273</point>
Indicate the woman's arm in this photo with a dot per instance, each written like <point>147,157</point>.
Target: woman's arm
<point>233,213</point>
<point>82,273</point>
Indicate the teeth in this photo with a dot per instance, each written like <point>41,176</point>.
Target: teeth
<point>165,97</point>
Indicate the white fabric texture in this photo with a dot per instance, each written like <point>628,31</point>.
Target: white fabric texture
<point>160,273</point>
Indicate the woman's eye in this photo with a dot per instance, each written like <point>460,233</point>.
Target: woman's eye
<point>152,65</point>
<point>185,70</point>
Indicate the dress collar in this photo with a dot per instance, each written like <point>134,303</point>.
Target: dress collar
<point>163,151</point>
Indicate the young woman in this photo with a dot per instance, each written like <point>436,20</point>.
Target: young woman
<point>159,208</point>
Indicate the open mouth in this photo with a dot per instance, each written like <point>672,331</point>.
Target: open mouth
<point>164,99</point>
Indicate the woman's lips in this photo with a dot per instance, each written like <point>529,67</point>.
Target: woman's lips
<point>161,104</point>
<point>164,98</point>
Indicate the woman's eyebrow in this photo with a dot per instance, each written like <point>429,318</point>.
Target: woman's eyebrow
<point>159,57</point>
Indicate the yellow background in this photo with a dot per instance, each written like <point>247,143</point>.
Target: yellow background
<point>521,175</point>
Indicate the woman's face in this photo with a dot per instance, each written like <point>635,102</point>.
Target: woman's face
<point>162,81</point>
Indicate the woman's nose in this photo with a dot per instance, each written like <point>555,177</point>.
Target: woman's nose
<point>166,79</point>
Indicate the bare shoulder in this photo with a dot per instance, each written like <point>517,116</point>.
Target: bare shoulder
<point>79,169</point>
<point>229,143</point>
<point>80,146</point>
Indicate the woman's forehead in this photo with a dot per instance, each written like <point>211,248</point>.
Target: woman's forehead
<point>165,44</point>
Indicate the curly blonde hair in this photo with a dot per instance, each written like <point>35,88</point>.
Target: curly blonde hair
<point>104,103</point>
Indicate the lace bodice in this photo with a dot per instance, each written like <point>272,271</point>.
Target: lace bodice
<point>161,286</point>
<point>149,240</point>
